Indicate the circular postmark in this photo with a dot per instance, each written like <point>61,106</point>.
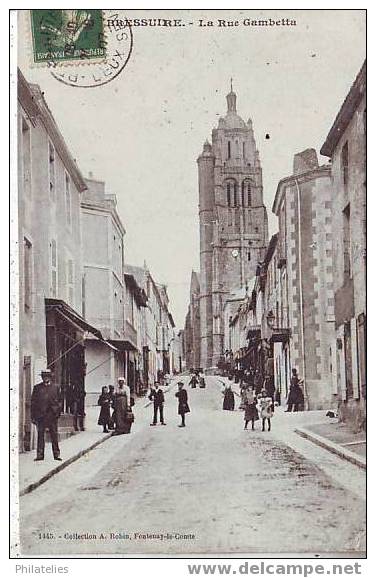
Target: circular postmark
<point>82,48</point>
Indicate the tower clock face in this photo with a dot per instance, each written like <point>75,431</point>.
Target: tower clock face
<point>235,253</point>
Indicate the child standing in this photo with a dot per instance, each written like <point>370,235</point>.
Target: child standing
<point>105,414</point>
<point>250,408</point>
<point>266,409</point>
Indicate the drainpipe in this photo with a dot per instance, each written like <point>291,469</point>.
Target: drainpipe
<point>306,403</point>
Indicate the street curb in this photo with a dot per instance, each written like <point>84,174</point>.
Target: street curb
<point>72,459</point>
<point>332,447</point>
<point>62,466</point>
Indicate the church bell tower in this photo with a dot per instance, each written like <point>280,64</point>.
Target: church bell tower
<point>233,222</point>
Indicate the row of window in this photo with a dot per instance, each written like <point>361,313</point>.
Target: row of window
<point>28,274</point>
<point>233,197</point>
<point>26,171</point>
<point>229,149</point>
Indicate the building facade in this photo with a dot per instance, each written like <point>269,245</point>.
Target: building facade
<point>233,223</point>
<point>52,328</point>
<point>346,147</point>
<point>303,205</point>
<point>103,287</point>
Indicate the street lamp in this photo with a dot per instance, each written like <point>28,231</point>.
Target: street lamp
<point>270,318</point>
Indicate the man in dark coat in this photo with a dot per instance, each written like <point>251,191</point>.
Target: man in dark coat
<point>295,398</point>
<point>157,396</point>
<point>183,406</point>
<point>78,396</point>
<point>45,412</point>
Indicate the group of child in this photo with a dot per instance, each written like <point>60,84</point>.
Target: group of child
<point>256,407</point>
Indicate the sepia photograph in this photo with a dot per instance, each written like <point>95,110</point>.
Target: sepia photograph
<point>188,366</point>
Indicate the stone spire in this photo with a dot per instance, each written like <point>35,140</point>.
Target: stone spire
<point>231,100</point>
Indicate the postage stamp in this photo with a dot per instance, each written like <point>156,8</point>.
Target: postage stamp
<point>66,35</point>
<point>82,48</point>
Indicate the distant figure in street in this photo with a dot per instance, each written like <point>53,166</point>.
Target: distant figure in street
<point>266,409</point>
<point>122,407</point>
<point>202,381</point>
<point>45,412</point>
<point>295,399</point>
<point>183,406</point>
<point>250,408</point>
<point>78,396</point>
<point>228,399</point>
<point>105,414</point>
<point>111,393</point>
<point>157,396</point>
<point>258,381</point>
<point>193,381</point>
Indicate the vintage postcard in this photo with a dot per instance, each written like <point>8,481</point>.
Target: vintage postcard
<point>189,225</point>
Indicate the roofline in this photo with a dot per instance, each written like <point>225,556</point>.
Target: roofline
<point>307,176</point>
<point>350,104</point>
<point>40,109</point>
<point>97,206</point>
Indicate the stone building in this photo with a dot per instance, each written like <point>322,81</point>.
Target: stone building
<point>192,326</point>
<point>233,222</point>
<point>303,205</point>
<point>346,146</point>
<point>136,354</point>
<point>103,288</point>
<point>52,329</point>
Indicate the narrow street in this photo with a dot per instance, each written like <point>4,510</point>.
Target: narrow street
<point>209,488</point>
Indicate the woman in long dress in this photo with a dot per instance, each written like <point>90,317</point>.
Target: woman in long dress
<point>228,399</point>
<point>121,406</point>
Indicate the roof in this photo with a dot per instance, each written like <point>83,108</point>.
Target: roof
<point>137,272</point>
<point>71,315</point>
<point>271,248</point>
<point>346,112</point>
<point>195,283</point>
<point>132,276</point>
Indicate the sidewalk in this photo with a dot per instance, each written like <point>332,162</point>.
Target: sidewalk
<point>339,439</point>
<point>328,433</point>
<point>32,474</point>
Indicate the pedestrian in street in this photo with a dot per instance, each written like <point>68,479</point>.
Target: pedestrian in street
<point>111,393</point>
<point>266,409</point>
<point>258,381</point>
<point>45,412</point>
<point>202,381</point>
<point>105,414</point>
<point>250,408</point>
<point>228,399</point>
<point>123,414</point>
<point>183,406</point>
<point>295,398</point>
<point>78,397</point>
<point>193,381</point>
<point>157,396</point>
<point>126,388</point>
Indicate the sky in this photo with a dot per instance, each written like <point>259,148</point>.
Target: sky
<point>142,132</point>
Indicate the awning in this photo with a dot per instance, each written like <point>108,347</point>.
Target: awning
<point>122,344</point>
<point>280,335</point>
<point>254,333</point>
<point>64,310</point>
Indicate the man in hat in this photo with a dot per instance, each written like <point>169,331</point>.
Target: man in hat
<point>45,412</point>
<point>157,396</point>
